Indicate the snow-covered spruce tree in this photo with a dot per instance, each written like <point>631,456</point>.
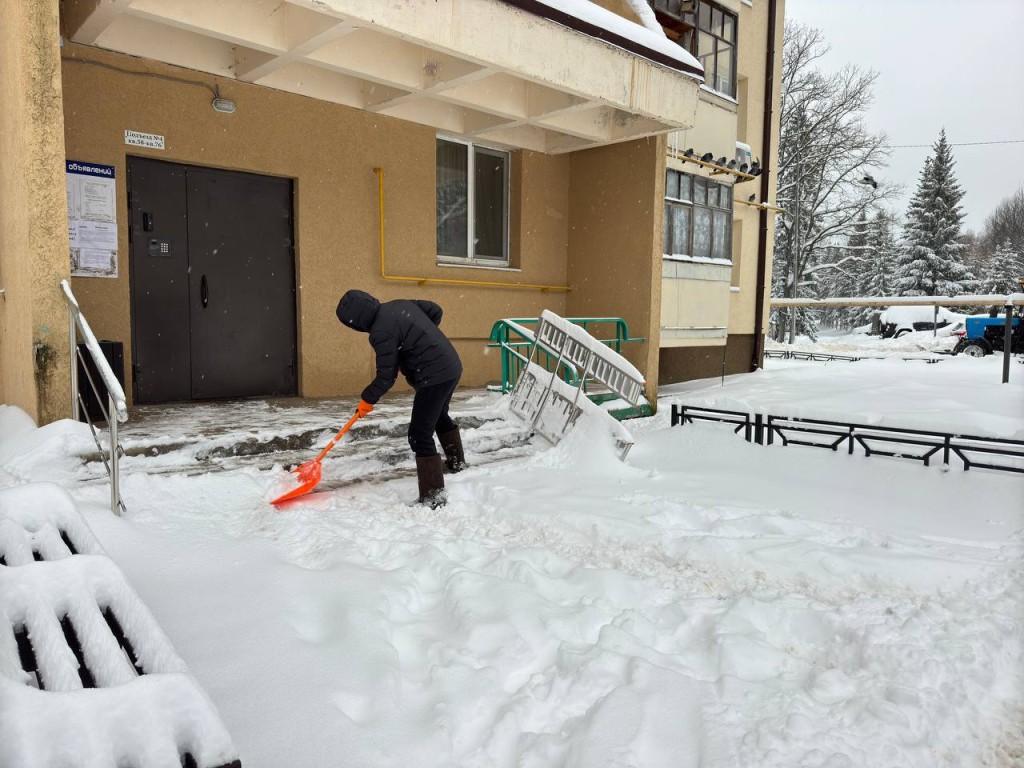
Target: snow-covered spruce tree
<point>825,153</point>
<point>882,254</point>
<point>932,258</point>
<point>1004,269</point>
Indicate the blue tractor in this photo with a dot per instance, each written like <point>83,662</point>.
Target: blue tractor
<point>983,335</point>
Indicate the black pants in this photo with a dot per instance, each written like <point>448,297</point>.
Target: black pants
<point>430,415</point>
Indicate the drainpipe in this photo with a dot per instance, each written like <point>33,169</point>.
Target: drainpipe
<point>766,145</point>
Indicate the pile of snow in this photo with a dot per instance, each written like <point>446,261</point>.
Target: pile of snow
<point>918,344</point>
<point>594,14</point>
<point>905,317</point>
<point>706,602</point>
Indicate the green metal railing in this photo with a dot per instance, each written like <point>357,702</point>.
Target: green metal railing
<point>508,334</point>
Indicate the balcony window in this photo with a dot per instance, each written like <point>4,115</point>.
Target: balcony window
<point>698,217</point>
<point>472,204</point>
<point>708,32</point>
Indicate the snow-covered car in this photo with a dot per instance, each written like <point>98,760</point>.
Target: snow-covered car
<point>897,321</point>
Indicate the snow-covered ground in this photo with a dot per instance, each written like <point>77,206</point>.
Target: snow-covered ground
<point>707,602</point>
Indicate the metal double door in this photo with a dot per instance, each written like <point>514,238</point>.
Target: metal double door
<point>212,283</point>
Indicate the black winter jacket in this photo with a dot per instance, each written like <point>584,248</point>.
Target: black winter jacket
<point>406,338</point>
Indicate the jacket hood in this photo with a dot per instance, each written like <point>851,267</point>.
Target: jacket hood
<point>357,310</point>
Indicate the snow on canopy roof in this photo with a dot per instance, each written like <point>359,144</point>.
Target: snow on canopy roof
<point>595,21</point>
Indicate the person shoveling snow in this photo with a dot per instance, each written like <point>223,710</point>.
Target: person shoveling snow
<point>407,339</point>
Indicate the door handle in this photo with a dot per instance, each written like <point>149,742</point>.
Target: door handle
<point>204,292</point>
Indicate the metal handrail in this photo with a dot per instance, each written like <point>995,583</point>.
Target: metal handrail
<point>117,405</point>
<point>510,358</point>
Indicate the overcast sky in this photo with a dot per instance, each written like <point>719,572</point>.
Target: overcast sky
<point>957,64</point>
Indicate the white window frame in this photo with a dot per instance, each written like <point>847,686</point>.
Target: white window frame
<point>692,206</point>
<point>471,259</point>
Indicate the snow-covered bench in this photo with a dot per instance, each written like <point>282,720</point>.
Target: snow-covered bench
<point>87,678</point>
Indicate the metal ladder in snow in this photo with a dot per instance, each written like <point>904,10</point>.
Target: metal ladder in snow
<point>551,405</point>
<point>515,338</point>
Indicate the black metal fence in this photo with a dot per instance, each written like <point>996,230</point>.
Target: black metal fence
<point>822,357</point>
<point>897,442</point>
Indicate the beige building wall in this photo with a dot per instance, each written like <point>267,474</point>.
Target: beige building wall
<point>591,220</point>
<point>330,151</point>
<point>616,201</point>
<point>703,296</point>
<point>753,37</point>
<point>34,356</point>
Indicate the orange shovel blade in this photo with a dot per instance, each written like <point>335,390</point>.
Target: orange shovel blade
<point>309,477</point>
<point>309,473</point>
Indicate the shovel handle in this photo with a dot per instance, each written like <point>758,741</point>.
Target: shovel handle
<point>338,437</point>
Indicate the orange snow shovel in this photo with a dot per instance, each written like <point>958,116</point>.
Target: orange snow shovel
<point>309,473</point>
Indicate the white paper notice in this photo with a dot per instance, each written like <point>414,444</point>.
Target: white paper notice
<point>94,260</point>
<point>97,234</point>
<point>92,219</point>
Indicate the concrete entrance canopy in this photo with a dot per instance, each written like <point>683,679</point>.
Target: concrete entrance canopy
<point>504,73</point>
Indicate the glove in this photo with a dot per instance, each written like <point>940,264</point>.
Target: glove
<point>363,408</point>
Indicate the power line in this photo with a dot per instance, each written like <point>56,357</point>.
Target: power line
<point>960,144</point>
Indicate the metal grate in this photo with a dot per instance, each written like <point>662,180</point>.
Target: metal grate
<point>69,622</point>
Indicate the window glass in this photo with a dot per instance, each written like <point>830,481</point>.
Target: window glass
<point>489,193</point>
<point>706,45</point>
<point>465,170</point>
<point>729,31</point>
<point>724,69</point>
<point>704,16</point>
<point>700,191</point>
<point>666,230</point>
<point>716,31</point>
<point>702,228</point>
<point>452,190</point>
<point>685,187</point>
<point>701,232</point>
<point>672,184</point>
<point>720,245</point>
<point>680,243</point>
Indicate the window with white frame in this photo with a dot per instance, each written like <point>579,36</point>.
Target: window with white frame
<point>709,32</point>
<point>698,217</point>
<point>472,203</point>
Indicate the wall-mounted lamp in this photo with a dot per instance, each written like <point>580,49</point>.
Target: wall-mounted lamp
<point>227,106</point>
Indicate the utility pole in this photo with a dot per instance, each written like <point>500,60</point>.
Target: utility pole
<point>796,253</point>
<point>1008,338</point>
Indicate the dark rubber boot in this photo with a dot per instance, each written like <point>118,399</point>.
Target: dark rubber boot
<point>430,473</point>
<point>454,458</point>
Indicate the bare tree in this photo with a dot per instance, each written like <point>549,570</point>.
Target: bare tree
<point>826,155</point>
<point>1005,223</point>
